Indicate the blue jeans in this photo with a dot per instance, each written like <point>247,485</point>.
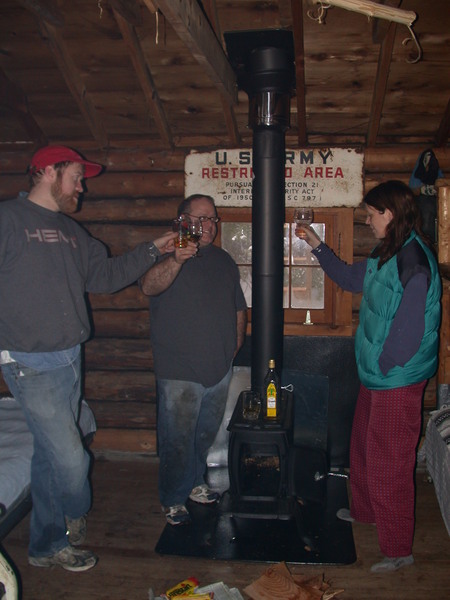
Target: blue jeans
<point>50,401</point>
<point>189,417</point>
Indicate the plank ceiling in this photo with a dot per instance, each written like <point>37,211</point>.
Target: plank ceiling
<point>155,74</point>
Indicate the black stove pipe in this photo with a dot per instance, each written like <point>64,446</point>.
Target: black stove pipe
<point>267,253</point>
<point>269,86</point>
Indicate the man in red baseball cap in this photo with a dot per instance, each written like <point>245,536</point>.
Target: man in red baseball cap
<point>65,170</point>
<point>53,155</point>
<point>48,263</point>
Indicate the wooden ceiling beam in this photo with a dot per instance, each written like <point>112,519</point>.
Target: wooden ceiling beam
<point>45,10</point>
<point>128,10</point>
<point>210,7</point>
<point>379,93</point>
<point>74,82</point>
<point>300,84</point>
<point>189,22</point>
<point>145,78</point>
<point>150,5</point>
<point>380,26</point>
<point>13,98</point>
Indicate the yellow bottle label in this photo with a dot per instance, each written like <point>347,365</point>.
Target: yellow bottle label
<point>271,411</point>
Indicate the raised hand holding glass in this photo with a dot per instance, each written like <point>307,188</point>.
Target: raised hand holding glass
<point>303,217</point>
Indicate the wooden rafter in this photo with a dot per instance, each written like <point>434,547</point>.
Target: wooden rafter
<point>13,98</point>
<point>74,82</point>
<point>297,20</point>
<point>191,25</point>
<point>379,93</point>
<point>45,10</point>
<point>145,78</point>
<point>128,10</point>
<point>228,111</point>
<point>150,5</point>
<point>285,13</point>
<point>380,26</point>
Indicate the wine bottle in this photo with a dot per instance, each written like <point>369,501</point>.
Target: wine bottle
<point>272,405</point>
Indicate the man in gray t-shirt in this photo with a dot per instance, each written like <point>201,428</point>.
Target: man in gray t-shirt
<point>47,264</point>
<point>197,322</point>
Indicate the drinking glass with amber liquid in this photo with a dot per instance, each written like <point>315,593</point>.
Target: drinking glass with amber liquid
<point>303,217</point>
<point>180,226</point>
<point>195,230</point>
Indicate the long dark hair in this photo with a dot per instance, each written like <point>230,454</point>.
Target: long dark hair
<point>398,198</point>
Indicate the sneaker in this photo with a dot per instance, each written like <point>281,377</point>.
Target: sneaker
<point>76,530</point>
<point>177,515</point>
<point>203,495</point>
<point>69,558</point>
<point>344,515</point>
<point>392,564</point>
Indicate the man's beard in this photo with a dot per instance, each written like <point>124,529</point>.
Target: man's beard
<point>67,203</point>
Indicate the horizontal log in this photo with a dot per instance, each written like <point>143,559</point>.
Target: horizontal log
<point>120,238</point>
<point>137,184</point>
<point>150,212</point>
<point>124,415</point>
<point>121,324</point>
<point>113,185</point>
<point>113,386</point>
<point>147,210</point>
<point>403,159</point>
<point>373,179</point>
<point>139,159</point>
<point>120,386</point>
<point>105,354</point>
<point>127,160</point>
<point>130,297</point>
<point>141,441</point>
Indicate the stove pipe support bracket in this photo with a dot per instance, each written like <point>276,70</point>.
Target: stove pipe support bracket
<point>269,87</point>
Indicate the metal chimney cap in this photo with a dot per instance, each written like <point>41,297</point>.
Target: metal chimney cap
<point>241,47</point>
<point>269,58</point>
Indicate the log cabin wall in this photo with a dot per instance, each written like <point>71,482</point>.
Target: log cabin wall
<point>134,201</point>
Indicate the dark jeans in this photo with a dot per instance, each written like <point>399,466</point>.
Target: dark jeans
<point>189,416</point>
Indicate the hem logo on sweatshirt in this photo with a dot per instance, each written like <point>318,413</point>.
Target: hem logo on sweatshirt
<point>50,236</point>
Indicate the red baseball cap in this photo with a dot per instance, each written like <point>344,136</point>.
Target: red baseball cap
<point>50,155</point>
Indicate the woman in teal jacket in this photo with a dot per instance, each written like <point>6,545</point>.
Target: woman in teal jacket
<point>396,348</point>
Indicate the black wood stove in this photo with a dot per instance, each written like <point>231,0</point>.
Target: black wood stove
<point>258,465</point>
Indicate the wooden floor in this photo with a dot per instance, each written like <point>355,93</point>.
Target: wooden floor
<point>126,521</point>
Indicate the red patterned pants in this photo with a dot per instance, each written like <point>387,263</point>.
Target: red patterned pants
<point>385,434</point>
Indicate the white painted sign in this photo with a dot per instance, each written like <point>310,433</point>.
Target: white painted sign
<point>313,177</point>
